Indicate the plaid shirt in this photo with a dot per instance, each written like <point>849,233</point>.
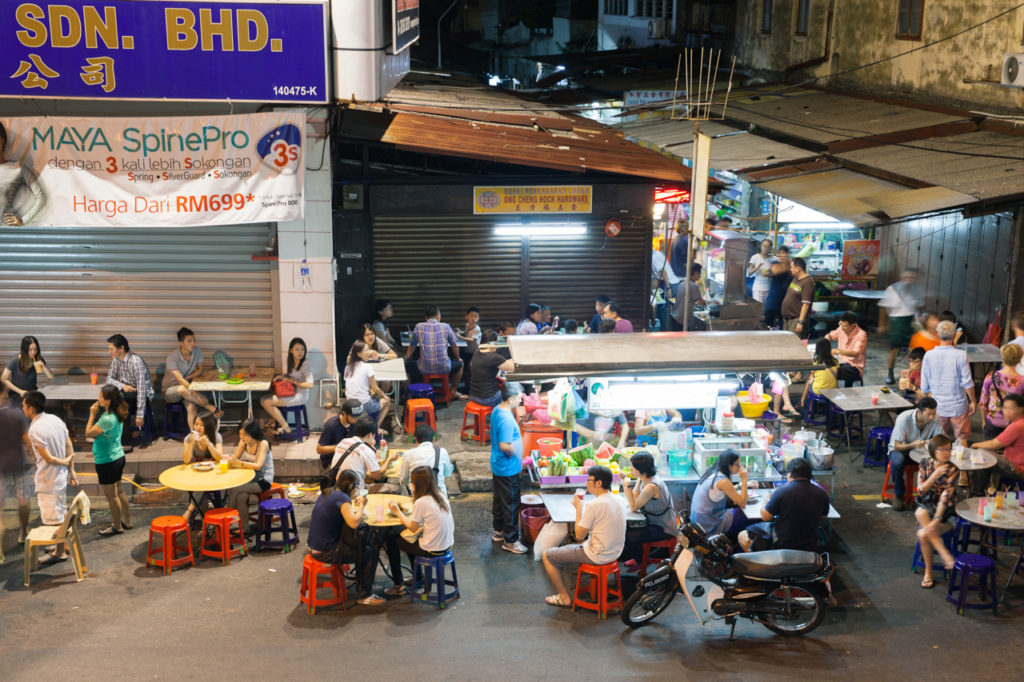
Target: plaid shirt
<point>132,371</point>
<point>433,339</point>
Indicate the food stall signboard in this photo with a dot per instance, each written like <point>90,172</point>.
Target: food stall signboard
<point>528,199</point>
<point>860,257</point>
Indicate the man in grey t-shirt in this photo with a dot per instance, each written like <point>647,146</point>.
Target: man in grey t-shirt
<point>181,366</point>
<point>912,430</point>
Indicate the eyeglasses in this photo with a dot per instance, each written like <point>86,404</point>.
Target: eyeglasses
<point>591,480</point>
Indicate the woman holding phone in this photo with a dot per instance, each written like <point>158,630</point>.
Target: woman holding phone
<point>106,421</point>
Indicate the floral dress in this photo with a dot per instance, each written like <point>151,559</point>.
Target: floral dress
<point>996,387</point>
<point>944,489</point>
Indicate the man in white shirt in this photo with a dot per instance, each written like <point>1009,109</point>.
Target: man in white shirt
<point>358,455</point>
<point>602,521</point>
<point>51,446</point>
<point>902,301</point>
<point>426,454</point>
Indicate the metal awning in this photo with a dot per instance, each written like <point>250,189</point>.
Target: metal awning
<point>840,193</point>
<point>593,355</point>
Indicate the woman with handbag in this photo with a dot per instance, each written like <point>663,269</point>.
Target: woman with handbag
<point>336,536</point>
<point>429,528</point>
<point>936,503</point>
<point>290,389</point>
<point>651,497</point>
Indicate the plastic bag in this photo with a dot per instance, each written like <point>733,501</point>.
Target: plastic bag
<point>551,535</point>
<point>560,401</point>
<point>536,409</point>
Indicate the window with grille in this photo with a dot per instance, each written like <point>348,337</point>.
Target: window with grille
<point>618,8</point>
<point>908,21</point>
<point>654,9</point>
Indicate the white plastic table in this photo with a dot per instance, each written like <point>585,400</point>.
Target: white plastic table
<point>210,382</point>
<point>1009,518</point>
<point>559,506</point>
<point>858,399</point>
<point>71,391</point>
<point>392,370</point>
<point>986,460</point>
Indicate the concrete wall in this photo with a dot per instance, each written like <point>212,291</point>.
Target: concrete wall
<point>305,305</point>
<point>864,31</point>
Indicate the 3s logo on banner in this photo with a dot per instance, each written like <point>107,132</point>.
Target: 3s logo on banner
<point>280,149</point>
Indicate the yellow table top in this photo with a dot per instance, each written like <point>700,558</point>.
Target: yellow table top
<point>184,477</point>
<point>377,501</point>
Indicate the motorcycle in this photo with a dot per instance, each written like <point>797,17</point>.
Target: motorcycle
<point>784,590</point>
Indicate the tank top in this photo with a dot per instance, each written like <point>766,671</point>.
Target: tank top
<point>709,513</point>
<point>659,512</point>
<point>266,472</point>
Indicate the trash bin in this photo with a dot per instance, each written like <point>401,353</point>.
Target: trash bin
<point>531,520</point>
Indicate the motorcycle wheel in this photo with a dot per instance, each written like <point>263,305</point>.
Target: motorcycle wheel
<point>643,607</point>
<point>807,612</point>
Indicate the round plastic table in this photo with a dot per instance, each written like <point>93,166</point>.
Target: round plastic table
<point>386,518</point>
<point>1010,517</point>
<point>184,477</point>
<point>986,459</point>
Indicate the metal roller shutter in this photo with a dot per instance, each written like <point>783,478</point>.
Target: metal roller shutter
<point>74,287</point>
<point>457,262</point>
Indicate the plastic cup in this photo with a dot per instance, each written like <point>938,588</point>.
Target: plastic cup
<point>874,399</point>
<point>94,378</point>
<point>615,486</point>
<point>224,465</point>
<point>380,514</point>
<point>999,500</point>
<point>1011,499</point>
<point>982,503</point>
<point>989,511</point>
<point>580,492</point>
<point>38,366</point>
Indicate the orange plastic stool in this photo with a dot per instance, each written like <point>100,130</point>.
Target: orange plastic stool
<point>445,392</point>
<point>416,407</point>
<point>645,560</point>
<point>220,521</point>
<point>311,583</point>
<point>599,590</point>
<point>275,490</point>
<point>480,428</point>
<point>166,528</point>
<point>909,483</point>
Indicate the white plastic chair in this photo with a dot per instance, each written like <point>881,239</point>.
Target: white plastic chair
<point>50,536</point>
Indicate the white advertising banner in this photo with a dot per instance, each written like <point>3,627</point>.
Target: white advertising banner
<point>152,172</point>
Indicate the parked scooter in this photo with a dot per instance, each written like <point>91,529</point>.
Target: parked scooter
<point>783,589</point>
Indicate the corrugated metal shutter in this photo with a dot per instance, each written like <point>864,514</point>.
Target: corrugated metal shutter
<point>74,287</point>
<point>457,262</point>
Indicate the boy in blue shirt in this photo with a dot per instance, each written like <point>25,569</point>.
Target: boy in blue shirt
<point>506,463</point>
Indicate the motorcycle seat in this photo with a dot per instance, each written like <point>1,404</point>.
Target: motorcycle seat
<point>776,563</point>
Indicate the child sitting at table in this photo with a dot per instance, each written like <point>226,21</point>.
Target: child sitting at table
<point>822,379</point>
<point>910,378</point>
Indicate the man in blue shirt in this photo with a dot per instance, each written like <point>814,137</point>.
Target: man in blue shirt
<point>946,376</point>
<point>506,463</point>
<point>594,326</point>
<point>780,279</point>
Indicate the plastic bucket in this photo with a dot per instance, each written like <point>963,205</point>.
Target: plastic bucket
<point>531,520</point>
<point>533,431</point>
<point>753,410</point>
<point>549,446</point>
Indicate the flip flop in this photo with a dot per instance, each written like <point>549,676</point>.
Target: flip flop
<point>51,559</point>
<point>556,600</point>
<point>110,530</point>
<point>927,584</point>
<point>785,420</point>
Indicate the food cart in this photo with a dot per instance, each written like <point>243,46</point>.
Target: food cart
<point>728,253</point>
<point>679,370</point>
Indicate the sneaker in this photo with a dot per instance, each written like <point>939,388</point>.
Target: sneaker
<point>899,504</point>
<point>515,547</point>
<point>372,600</point>
<point>890,380</point>
<point>497,536</point>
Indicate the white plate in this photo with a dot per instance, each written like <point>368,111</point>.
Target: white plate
<point>531,499</point>
<point>203,466</point>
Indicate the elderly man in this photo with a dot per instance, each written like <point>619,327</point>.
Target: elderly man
<point>439,349</point>
<point>913,429</point>
<point>853,349</point>
<point>946,376</point>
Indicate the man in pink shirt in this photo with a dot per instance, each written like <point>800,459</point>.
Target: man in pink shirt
<point>1011,463</point>
<point>852,351</point>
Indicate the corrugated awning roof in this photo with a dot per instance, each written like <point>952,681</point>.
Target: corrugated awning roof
<point>839,193</point>
<point>732,149</point>
<point>663,353</point>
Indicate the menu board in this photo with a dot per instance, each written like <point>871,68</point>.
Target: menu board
<point>860,257</point>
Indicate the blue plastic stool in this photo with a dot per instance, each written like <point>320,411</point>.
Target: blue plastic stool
<point>837,423</point>
<point>963,536</point>
<point>276,515</point>
<point>948,539</point>
<point>431,566</point>
<point>876,452</point>
<point>176,425</point>
<point>814,401</point>
<point>299,423</point>
<point>968,565</point>
<point>425,391</point>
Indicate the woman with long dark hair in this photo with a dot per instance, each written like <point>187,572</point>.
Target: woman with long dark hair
<point>651,497</point>
<point>822,379</point>
<point>203,444</point>
<point>21,373</point>
<point>300,376</point>
<point>253,452</point>
<point>362,386</point>
<point>105,430</point>
<point>530,324</point>
<point>714,491</point>
<point>431,514</point>
<point>379,324</point>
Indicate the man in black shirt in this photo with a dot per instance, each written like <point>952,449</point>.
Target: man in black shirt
<point>338,428</point>
<point>790,519</point>
<point>483,376</point>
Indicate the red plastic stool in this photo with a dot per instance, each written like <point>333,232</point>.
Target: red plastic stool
<point>415,408</point>
<point>445,392</point>
<point>480,427</point>
<point>599,590</point>
<point>311,584</point>
<point>645,560</point>
<point>275,490</point>
<point>166,528</point>
<point>220,521</point>
<point>909,483</point>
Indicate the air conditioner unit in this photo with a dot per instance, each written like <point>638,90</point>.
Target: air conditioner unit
<point>656,29</point>
<point>1013,70</point>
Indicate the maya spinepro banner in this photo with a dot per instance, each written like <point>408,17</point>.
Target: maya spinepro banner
<point>152,172</point>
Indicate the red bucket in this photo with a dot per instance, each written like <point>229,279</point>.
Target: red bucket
<point>531,520</point>
<point>549,446</point>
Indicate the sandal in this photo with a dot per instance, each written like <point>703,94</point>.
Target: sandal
<point>396,591</point>
<point>927,583</point>
<point>52,559</point>
<point>110,530</point>
<point>556,600</point>
<point>785,420</point>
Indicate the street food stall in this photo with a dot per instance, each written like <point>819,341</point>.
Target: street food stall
<point>729,307</point>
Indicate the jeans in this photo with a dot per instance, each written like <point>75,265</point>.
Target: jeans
<point>897,464</point>
<point>506,506</point>
<point>364,561</point>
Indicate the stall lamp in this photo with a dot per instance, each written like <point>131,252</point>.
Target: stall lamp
<point>541,230</point>
<point>659,211</point>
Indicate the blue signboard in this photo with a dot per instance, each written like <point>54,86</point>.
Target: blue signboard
<point>154,49</point>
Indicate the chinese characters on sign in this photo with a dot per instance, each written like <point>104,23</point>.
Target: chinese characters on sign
<point>153,49</point>
<point>860,257</point>
<point>532,199</point>
<point>632,98</point>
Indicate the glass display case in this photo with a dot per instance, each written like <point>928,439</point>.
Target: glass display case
<point>726,275</point>
<point>822,263</point>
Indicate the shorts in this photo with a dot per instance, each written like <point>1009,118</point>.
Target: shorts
<point>291,401</point>
<point>371,406</point>
<point>493,401</point>
<point>567,556</point>
<point>52,507</point>
<point>172,394</point>
<point>900,331</point>
<point>18,481</point>
<point>760,294</point>
<point>109,473</point>
<point>761,535</point>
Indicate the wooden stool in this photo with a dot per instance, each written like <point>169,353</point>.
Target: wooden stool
<point>598,587</point>
<point>220,522</point>
<point>415,408</point>
<point>166,528</point>
<point>481,422</point>
<point>312,570</point>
